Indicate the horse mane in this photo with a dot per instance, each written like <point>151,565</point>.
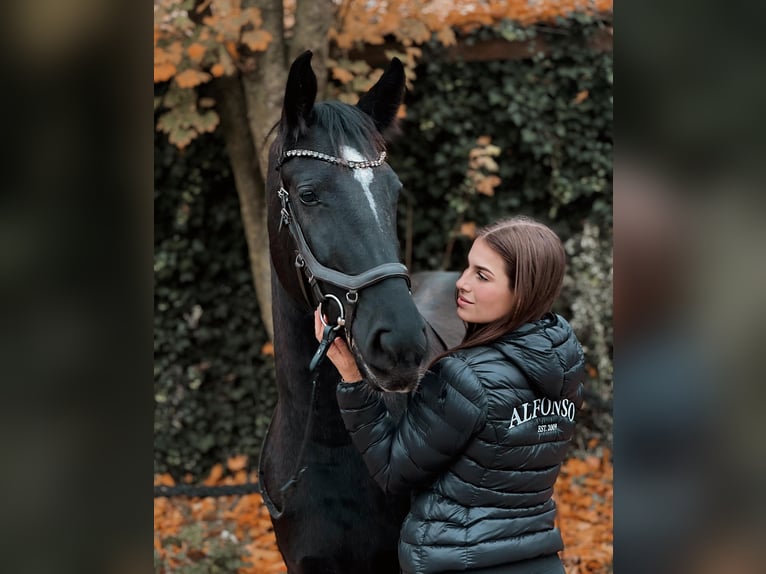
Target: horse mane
<point>343,124</point>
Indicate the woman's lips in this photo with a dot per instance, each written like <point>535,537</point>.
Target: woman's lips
<point>463,302</point>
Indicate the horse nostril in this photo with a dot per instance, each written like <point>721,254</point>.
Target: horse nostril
<point>383,341</point>
<point>399,350</point>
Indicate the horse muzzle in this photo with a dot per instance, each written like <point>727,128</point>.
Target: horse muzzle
<point>390,339</point>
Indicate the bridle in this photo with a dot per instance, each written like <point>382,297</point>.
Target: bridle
<point>313,271</point>
<point>306,264</point>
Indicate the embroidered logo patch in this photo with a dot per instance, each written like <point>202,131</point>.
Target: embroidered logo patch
<point>542,407</point>
<point>542,429</point>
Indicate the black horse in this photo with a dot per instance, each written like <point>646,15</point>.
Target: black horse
<point>332,232</point>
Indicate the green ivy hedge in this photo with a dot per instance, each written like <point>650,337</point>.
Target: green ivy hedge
<point>214,390</point>
<point>556,154</point>
<point>551,115</point>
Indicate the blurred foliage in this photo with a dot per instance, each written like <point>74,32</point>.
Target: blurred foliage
<point>587,293</point>
<point>200,549</point>
<point>214,390</point>
<point>193,535</point>
<point>215,534</point>
<point>197,41</point>
<point>550,116</point>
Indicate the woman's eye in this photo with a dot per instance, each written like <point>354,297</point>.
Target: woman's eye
<point>481,276</point>
<point>308,197</point>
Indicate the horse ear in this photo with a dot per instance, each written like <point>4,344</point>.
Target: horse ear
<point>300,94</point>
<point>382,101</point>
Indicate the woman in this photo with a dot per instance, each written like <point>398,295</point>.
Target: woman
<point>484,435</point>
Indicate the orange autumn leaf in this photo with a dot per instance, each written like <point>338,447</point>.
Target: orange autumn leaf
<point>196,51</point>
<point>485,161</point>
<point>257,40</point>
<point>239,477</point>
<point>447,36</point>
<point>468,229</point>
<point>190,78</point>
<point>163,72</point>
<point>253,16</point>
<point>342,75</point>
<point>217,70</point>
<point>236,463</point>
<point>344,40</point>
<point>581,97</point>
<point>231,48</point>
<point>487,185</point>
<point>215,475</point>
<point>163,480</point>
<point>593,462</point>
<point>268,349</point>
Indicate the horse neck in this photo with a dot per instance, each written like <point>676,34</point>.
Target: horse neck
<point>294,340</point>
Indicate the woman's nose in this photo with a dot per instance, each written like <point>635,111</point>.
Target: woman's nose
<point>461,283</point>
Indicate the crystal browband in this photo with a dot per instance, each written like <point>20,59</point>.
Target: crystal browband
<point>332,159</point>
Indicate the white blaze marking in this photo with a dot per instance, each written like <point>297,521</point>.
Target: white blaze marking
<point>364,176</point>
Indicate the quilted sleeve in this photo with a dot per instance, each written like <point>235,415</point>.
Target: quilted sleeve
<point>446,410</point>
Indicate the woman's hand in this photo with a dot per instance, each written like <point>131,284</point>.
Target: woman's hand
<point>338,353</point>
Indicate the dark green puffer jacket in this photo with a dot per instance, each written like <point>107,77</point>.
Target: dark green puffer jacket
<point>480,447</point>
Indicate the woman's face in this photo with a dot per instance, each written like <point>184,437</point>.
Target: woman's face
<point>484,294</point>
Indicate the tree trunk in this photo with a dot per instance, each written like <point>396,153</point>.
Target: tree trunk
<point>230,102</point>
<point>313,19</point>
<point>249,107</point>
<point>265,84</point>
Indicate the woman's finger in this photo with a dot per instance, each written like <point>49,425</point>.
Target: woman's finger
<point>318,327</point>
<point>343,359</point>
<point>339,349</point>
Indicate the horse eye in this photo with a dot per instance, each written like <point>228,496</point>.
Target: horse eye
<point>308,197</point>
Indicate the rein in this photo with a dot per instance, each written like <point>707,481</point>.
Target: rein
<point>310,270</point>
<point>295,477</point>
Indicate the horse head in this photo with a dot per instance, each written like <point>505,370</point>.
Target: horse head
<point>332,216</point>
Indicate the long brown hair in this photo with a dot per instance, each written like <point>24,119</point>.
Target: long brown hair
<point>535,262</point>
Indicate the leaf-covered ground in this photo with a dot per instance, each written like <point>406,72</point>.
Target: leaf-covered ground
<point>234,533</point>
